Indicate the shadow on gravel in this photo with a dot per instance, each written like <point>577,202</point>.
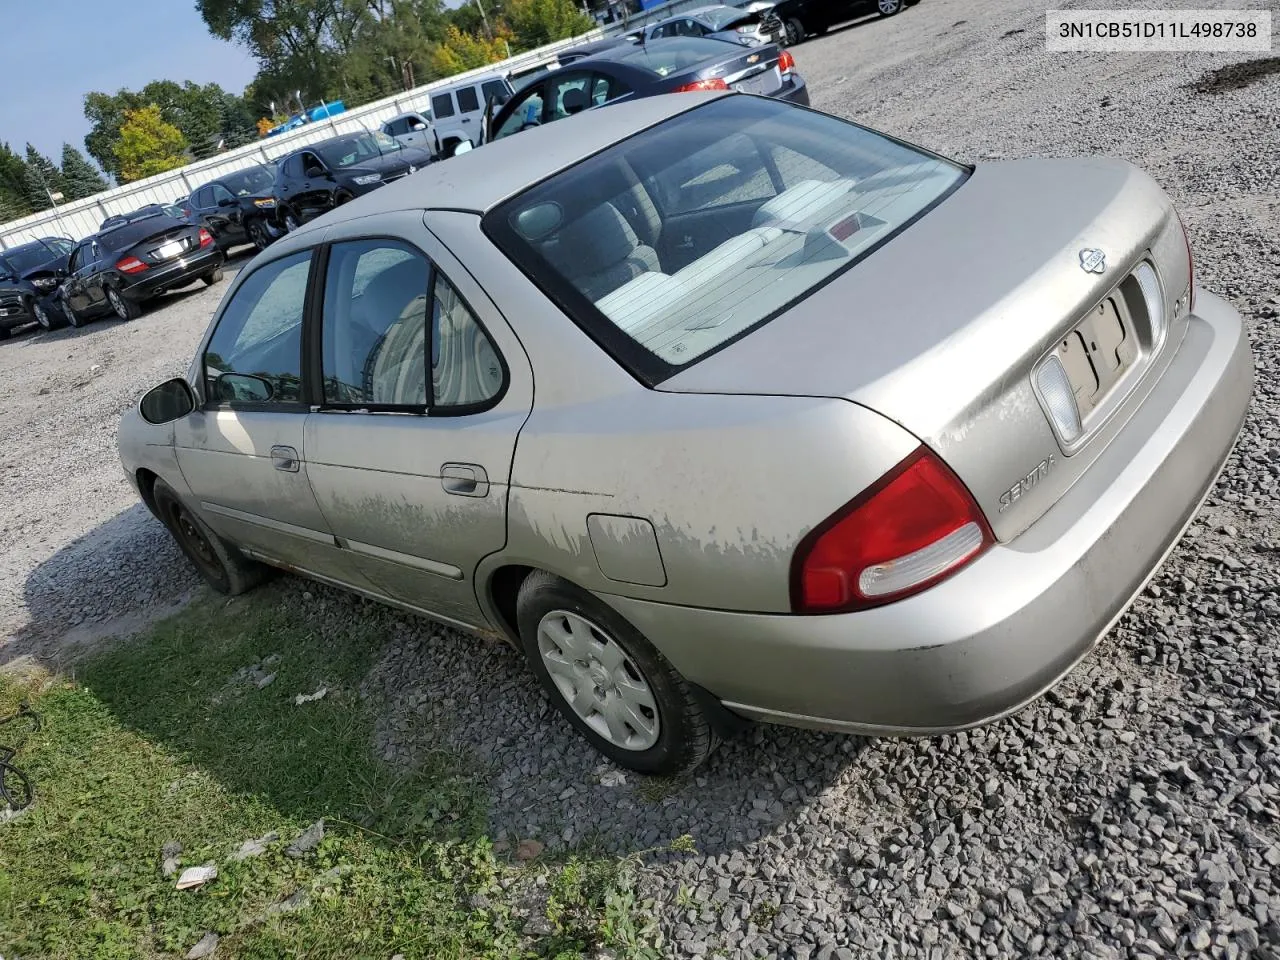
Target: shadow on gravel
<point>1236,76</point>
<point>440,690</point>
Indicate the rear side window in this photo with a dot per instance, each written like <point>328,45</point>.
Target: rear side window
<point>374,350</point>
<point>468,100</point>
<point>442,105</point>
<point>259,337</point>
<point>739,236</point>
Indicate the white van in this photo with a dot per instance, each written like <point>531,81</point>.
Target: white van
<point>457,110</point>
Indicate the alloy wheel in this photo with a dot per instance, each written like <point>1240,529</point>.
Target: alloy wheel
<point>118,305</point>
<point>889,7</point>
<point>793,32</point>
<point>598,680</point>
<point>73,318</point>
<point>42,317</point>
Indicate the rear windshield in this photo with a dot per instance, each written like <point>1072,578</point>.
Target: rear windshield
<point>677,241</point>
<point>668,56</point>
<point>130,233</point>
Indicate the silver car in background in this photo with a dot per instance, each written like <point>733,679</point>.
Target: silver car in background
<point>716,408</point>
<point>720,22</point>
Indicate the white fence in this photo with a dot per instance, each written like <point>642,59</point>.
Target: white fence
<point>80,218</point>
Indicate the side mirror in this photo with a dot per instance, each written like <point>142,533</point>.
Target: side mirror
<point>170,401</point>
<point>464,147</point>
<point>244,388</point>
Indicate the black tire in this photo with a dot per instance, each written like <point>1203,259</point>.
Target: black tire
<point>889,8</point>
<point>223,567</point>
<point>73,319</point>
<point>685,735</point>
<point>45,317</point>
<point>123,307</point>
<point>212,277</point>
<point>290,220</point>
<point>259,236</point>
<point>793,32</point>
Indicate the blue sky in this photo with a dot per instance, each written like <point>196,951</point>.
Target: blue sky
<point>59,50</point>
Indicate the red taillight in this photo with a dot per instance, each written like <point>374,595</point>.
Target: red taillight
<point>1191,269</point>
<point>915,526</point>
<point>130,265</point>
<point>786,62</point>
<point>715,83</point>
<point>206,237</point>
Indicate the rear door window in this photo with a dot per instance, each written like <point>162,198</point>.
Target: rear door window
<point>468,100</point>
<point>442,105</point>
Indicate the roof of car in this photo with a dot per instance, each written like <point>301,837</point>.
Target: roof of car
<point>691,13</point>
<point>480,179</point>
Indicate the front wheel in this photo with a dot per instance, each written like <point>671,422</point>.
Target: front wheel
<point>43,317</point>
<point>69,312</point>
<point>291,221</point>
<point>223,567</point>
<point>125,308</point>
<point>610,683</point>
<point>258,234</point>
<point>888,8</point>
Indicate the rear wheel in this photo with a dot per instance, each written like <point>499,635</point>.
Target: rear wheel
<point>793,31</point>
<point>258,234</point>
<point>610,683</point>
<point>888,8</point>
<point>224,567</point>
<point>125,308</point>
<point>212,277</point>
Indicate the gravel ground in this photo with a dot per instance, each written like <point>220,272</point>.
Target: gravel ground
<point>1132,812</point>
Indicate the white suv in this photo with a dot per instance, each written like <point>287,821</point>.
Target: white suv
<point>457,110</point>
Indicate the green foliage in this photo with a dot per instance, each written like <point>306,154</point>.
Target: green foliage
<point>535,23</point>
<point>42,177</point>
<point>158,740</point>
<point>13,185</point>
<point>464,51</point>
<point>81,179</point>
<point>148,145</point>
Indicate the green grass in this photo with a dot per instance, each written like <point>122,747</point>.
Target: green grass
<point>153,741</point>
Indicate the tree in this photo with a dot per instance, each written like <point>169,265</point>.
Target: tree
<point>462,51</point>
<point>43,177</point>
<point>148,145</point>
<point>13,185</point>
<point>536,23</point>
<point>81,178</point>
<point>105,113</point>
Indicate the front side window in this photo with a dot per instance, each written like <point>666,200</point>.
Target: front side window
<point>744,231</point>
<point>255,354</point>
<point>495,90</point>
<point>374,350</point>
<point>525,113</point>
<point>442,105</point>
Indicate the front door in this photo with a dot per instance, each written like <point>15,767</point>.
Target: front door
<point>243,453</point>
<point>425,392</point>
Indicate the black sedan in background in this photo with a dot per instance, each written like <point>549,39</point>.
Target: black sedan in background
<point>327,174</point>
<point>238,208</point>
<point>673,65</point>
<point>29,276</point>
<point>804,18</point>
<point>116,270</point>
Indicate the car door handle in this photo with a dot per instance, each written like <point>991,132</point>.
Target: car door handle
<point>464,479</point>
<point>285,458</point>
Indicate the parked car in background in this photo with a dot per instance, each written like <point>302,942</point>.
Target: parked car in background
<point>146,210</point>
<point>704,281</point>
<point>29,277</point>
<point>799,19</point>
<point>238,208</point>
<point>119,269</point>
<point>719,22</point>
<point>412,129</point>
<point>324,175</point>
<point>457,111</point>
<point>677,65</point>
<point>180,209</point>
<point>566,57</point>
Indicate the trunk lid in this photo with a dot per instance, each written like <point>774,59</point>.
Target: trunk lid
<point>755,71</point>
<point>941,328</point>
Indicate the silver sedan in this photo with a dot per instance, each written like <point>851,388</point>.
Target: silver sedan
<point>716,408</point>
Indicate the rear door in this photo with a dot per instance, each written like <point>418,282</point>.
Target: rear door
<point>243,453</point>
<point>470,111</point>
<point>425,392</point>
<point>75,287</point>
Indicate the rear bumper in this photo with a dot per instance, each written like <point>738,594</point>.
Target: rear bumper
<point>997,635</point>
<point>181,272</point>
<point>794,91</point>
